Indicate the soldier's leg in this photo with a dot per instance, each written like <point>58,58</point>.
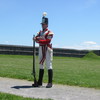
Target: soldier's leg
<point>41,69</point>
<point>49,67</point>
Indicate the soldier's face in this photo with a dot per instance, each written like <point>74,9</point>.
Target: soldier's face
<point>44,26</point>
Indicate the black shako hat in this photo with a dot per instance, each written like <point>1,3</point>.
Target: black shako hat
<point>44,19</point>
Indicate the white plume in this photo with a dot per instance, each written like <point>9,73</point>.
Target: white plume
<point>44,14</point>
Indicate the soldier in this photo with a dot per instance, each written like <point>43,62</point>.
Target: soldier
<point>44,38</point>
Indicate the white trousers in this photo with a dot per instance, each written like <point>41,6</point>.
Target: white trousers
<point>48,57</point>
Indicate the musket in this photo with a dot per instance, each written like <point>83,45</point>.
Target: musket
<point>34,71</point>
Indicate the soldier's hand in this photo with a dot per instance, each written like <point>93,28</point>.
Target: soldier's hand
<point>34,38</point>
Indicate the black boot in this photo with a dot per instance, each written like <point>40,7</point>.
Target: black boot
<point>39,82</point>
<point>41,73</point>
<point>50,75</point>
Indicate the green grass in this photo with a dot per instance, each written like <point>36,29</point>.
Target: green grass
<point>6,96</point>
<point>83,72</point>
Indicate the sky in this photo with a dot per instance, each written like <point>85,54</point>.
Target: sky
<point>75,23</point>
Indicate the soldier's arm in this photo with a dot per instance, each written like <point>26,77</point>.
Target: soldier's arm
<point>47,40</point>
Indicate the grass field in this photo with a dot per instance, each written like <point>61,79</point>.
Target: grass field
<point>83,72</point>
<point>6,96</point>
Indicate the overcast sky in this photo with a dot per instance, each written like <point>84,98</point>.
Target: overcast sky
<point>75,23</point>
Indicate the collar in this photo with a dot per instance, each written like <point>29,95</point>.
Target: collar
<point>45,30</point>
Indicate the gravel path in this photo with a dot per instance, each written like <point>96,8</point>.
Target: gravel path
<point>57,92</point>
